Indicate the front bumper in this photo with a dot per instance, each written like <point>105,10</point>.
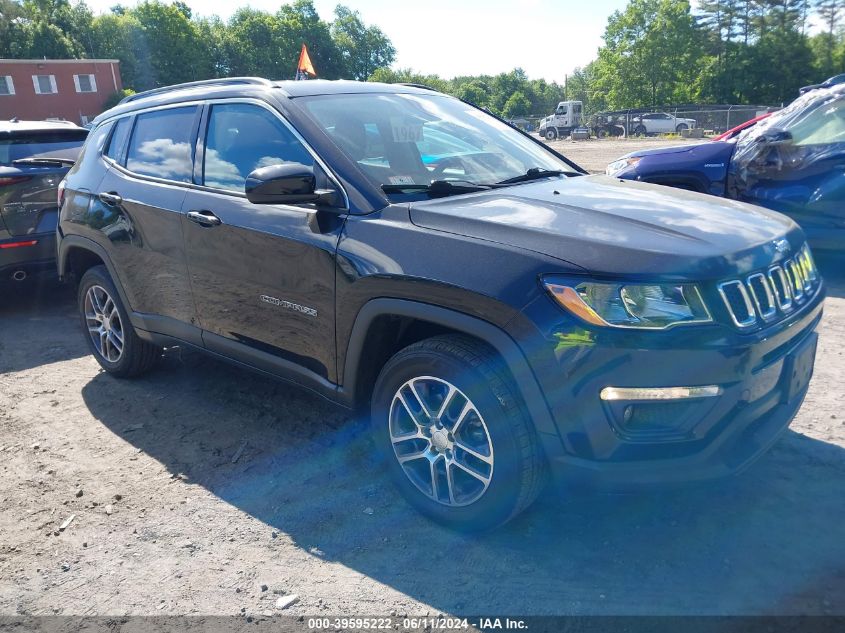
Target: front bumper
<point>618,444</point>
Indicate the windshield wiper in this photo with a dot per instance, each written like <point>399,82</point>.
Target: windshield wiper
<point>44,161</point>
<point>438,188</point>
<point>535,173</point>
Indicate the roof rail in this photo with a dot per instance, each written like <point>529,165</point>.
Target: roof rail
<point>421,86</point>
<point>223,81</point>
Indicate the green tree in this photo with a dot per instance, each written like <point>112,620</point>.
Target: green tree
<point>794,58</point>
<point>516,105</point>
<point>113,36</point>
<point>363,48</point>
<point>831,13</point>
<point>580,87</point>
<point>254,45</point>
<point>408,76</point>
<point>13,37</point>
<point>167,46</point>
<point>652,55</point>
<point>300,24</point>
<point>475,92</point>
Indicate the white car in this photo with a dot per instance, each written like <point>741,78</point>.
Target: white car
<point>660,123</point>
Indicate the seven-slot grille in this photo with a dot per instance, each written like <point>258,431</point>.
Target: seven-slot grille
<point>766,296</point>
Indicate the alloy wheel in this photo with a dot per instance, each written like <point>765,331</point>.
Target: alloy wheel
<point>441,441</point>
<point>103,322</point>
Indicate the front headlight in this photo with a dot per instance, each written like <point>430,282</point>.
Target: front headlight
<point>641,306</point>
<point>623,163</point>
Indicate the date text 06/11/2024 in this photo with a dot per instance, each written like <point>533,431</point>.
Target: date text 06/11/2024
<point>417,624</point>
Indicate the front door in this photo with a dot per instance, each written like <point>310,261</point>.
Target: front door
<point>262,275</point>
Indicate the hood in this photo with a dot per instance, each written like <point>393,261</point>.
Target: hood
<point>697,151</point>
<point>618,228</point>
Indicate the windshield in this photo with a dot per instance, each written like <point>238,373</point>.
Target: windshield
<point>410,139</point>
<point>815,118</point>
<point>40,145</point>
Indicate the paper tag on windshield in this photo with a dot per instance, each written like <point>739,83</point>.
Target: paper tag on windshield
<point>401,180</point>
<point>405,132</point>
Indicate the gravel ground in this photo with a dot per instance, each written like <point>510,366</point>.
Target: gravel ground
<point>203,489</point>
<point>594,155</point>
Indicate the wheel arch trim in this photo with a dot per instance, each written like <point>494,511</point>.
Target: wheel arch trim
<point>68,242</point>
<point>497,338</point>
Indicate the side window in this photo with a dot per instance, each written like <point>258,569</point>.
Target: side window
<point>242,137</point>
<point>824,125</point>
<point>118,139</point>
<point>161,144</point>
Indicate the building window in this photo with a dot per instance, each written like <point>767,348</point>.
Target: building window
<point>85,83</point>
<point>44,84</point>
<point>7,86</point>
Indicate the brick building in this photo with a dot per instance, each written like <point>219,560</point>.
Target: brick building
<point>69,89</point>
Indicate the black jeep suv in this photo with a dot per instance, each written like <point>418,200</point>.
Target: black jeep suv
<point>34,157</point>
<point>498,313</point>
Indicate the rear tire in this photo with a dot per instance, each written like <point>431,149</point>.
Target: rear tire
<point>108,331</point>
<point>640,131</point>
<point>475,462</point>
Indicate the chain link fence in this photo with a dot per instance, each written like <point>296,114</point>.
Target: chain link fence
<point>709,119</point>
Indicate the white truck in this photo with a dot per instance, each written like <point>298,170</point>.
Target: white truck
<point>566,118</point>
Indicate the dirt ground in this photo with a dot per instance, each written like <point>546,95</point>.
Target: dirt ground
<point>594,155</point>
<point>203,489</point>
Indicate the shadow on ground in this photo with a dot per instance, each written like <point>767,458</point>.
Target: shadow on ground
<point>25,310</point>
<point>769,541</point>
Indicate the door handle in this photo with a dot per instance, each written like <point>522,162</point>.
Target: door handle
<point>204,218</point>
<point>111,198</point>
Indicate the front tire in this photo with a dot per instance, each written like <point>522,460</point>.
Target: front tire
<point>108,331</point>
<point>454,433</point>
<point>681,127</point>
<point>551,134</point>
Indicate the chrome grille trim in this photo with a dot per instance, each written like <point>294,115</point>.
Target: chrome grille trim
<point>783,295</point>
<point>750,317</point>
<point>756,283</point>
<point>768,295</point>
<point>796,278</point>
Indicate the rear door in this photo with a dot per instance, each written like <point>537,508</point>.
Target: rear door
<point>262,275</point>
<point>140,203</point>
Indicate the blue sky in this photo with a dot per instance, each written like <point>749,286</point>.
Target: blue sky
<point>547,38</point>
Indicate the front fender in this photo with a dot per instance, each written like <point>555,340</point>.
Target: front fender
<point>494,336</point>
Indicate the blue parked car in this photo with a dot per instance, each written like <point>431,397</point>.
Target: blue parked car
<point>792,162</point>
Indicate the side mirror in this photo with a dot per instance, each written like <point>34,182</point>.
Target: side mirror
<point>287,183</point>
<point>775,137</point>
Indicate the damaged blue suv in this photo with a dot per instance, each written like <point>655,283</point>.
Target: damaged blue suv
<point>498,314</point>
<point>792,162</point>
